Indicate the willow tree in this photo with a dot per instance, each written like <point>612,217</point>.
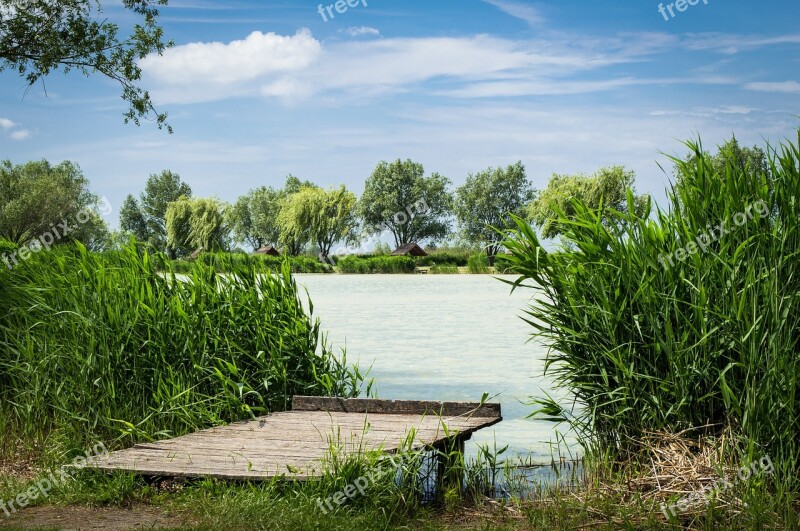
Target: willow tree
<point>323,217</point>
<point>606,190</point>
<point>197,224</point>
<point>38,37</point>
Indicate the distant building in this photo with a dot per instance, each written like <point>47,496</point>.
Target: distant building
<point>269,249</point>
<point>410,249</point>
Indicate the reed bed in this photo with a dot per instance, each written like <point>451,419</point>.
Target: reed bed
<point>116,347</point>
<point>651,332</point>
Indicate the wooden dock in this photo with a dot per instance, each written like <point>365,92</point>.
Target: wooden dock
<point>294,444</point>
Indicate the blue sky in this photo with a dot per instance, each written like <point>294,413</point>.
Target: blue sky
<point>257,90</point>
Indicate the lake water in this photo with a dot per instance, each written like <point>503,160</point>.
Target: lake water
<point>442,337</point>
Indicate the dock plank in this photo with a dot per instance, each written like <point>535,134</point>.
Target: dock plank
<point>295,444</point>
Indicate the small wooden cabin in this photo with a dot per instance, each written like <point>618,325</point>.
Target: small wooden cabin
<point>410,249</point>
<point>269,250</point>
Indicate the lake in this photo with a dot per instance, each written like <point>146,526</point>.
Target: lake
<point>442,337</point>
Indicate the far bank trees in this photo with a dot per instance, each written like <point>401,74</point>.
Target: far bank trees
<point>484,203</point>
<point>399,198</point>
<point>606,189</point>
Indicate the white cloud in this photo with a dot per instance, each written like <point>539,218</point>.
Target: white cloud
<point>293,68</point>
<point>519,10</point>
<point>5,123</point>
<point>210,71</point>
<point>357,31</point>
<point>789,87</point>
<point>21,134</point>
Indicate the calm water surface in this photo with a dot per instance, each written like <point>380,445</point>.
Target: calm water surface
<point>442,337</point>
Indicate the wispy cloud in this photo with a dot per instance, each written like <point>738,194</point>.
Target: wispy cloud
<point>20,134</point>
<point>732,44</point>
<point>790,87</point>
<point>357,31</point>
<point>520,10</point>
<point>5,123</point>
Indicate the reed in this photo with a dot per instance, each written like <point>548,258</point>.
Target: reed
<point>705,344</point>
<point>116,346</point>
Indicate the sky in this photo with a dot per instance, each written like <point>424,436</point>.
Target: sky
<point>256,90</point>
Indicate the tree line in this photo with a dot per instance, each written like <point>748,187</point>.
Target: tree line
<point>400,202</point>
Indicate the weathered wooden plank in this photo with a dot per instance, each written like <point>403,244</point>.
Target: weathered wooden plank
<point>298,443</point>
<point>370,405</point>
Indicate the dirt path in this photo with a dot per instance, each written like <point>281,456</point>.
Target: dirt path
<point>81,518</point>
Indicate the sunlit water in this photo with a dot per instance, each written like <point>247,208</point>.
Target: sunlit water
<point>443,337</point>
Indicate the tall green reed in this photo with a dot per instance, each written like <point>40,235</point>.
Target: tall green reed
<point>118,346</point>
<point>705,344</point>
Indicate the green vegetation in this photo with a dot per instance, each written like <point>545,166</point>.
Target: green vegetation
<point>607,190</point>
<point>376,264</point>
<point>455,256</point>
<point>478,264</point>
<point>146,218</point>
<point>223,262</point>
<point>399,198</point>
<point>197,223</point>
<point>484,204</point>
<point>42,36</point>
<point>106,347</point>
<point>253,218</point>
<point>443,270</point>
<point>320,216</point>
<point>37,197</point>
<point>684,322</point>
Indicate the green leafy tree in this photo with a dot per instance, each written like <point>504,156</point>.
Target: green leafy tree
<point>197,223</point>
<point>484,202</point>
<point>38,37</point>
<point>254,217</point>
<point>293,239</point>
<point>606,189</point>
<point>145,218</point>
<point>320,216</point>
<point>399,198</point>
<point>39,200</point>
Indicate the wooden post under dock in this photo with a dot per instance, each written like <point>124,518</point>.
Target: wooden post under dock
<point>295,444</point>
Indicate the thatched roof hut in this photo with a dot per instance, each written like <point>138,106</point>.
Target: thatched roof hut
<point>269,249</point>
<point>410,249</point>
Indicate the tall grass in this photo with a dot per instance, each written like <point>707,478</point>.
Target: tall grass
<point>376,264</point>
<point>222,261</point>
<point>707,344</point>
<point>115,346</point>
<point>478,264</point>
